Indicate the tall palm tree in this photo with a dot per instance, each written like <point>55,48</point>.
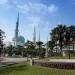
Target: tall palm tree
<point>67,39</point>
<point>51,46</point>
<point>39,44</point>
<point>58,35</point>
<point>1,40</point>
<point>71,31</point>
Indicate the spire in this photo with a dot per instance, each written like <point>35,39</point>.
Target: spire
<point>39,34</point>
<point>46,53</point>
<point>17,23</point>
<point>47,43</point>
<point>34,36</point>
<point>16,31</point>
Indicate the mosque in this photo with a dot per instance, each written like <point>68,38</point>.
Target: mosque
<point>18,40</point>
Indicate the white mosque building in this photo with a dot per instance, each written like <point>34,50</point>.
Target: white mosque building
<point>18,40</point>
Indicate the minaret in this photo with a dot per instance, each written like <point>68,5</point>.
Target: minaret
<point>34,36</point>
<point>39,35</point>
<point>46,53</point>
<point>16,31</point>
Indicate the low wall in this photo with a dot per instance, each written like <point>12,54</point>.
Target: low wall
<point>59,65</point>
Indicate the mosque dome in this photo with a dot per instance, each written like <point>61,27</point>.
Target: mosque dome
<point>21,40</point>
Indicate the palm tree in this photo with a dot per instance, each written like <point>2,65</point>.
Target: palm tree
<point>9,50</point>
<point>30,48</point>
<point>58,35</point>
<point>67,39</point>
<point>61,29</point>
<point>39,45</point>
<point>1,40</point>
<point>51,46</point>
<point>54,37</point>
<point>72,34</point>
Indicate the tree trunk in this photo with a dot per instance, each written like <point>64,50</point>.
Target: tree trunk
<point>73,49</point>
<point>61,48</point>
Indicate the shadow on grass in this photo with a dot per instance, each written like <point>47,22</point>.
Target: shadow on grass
<point>18,67</point>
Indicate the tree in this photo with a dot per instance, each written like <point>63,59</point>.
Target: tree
<point>39,45</point>
<point>70,37</point>
<point>9,50</point>
<point>30,48</point>
<point>57,34</point>
<point>72,34</point>
<point>51,46</point>
<point>1,40</point>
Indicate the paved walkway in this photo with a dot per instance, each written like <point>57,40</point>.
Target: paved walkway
<point>63,60</point>
<point>10,61</point>
<point>58,60</point>
<point>14,59</point>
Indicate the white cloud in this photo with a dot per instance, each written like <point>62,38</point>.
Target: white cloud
<point>34,21</point>
<point>37,7</point>
<point>52,8</point>
<point>24,8</point>
<point>30,7</point>
<point>35,14</point>
<point>3,2</point>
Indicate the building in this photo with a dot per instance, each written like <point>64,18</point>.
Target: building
<point>69,48</point>
<point>18,40</point>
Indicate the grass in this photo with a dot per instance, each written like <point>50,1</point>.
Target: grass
<point>26,69</point>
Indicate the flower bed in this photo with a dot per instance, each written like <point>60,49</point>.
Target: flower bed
<point>59,65</point>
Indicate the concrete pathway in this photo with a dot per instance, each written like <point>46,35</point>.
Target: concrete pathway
<point>10,61</point>
<point>63,60</point>
<point>14,60</point>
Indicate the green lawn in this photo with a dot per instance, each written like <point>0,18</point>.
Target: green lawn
<point>25,69</point>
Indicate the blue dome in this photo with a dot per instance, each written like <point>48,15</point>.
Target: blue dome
<point>21,40</point>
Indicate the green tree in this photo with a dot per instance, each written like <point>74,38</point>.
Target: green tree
<point>39,45</point>
<point>1,40</point>
<point>57,34</point>
<point>51,46</point>
<point>9,50</point>
<point>70,36</point>
<point>30,48</point>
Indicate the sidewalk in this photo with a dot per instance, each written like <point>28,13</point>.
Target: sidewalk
<point>11,61</point>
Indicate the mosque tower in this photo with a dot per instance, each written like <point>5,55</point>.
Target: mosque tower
<point>39,36</point>
<point>34,36</point>
<point>16,32</point>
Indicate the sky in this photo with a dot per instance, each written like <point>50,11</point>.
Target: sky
<point>41,14</point>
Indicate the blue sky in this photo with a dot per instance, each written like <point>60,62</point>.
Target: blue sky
<point>43,14</point>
